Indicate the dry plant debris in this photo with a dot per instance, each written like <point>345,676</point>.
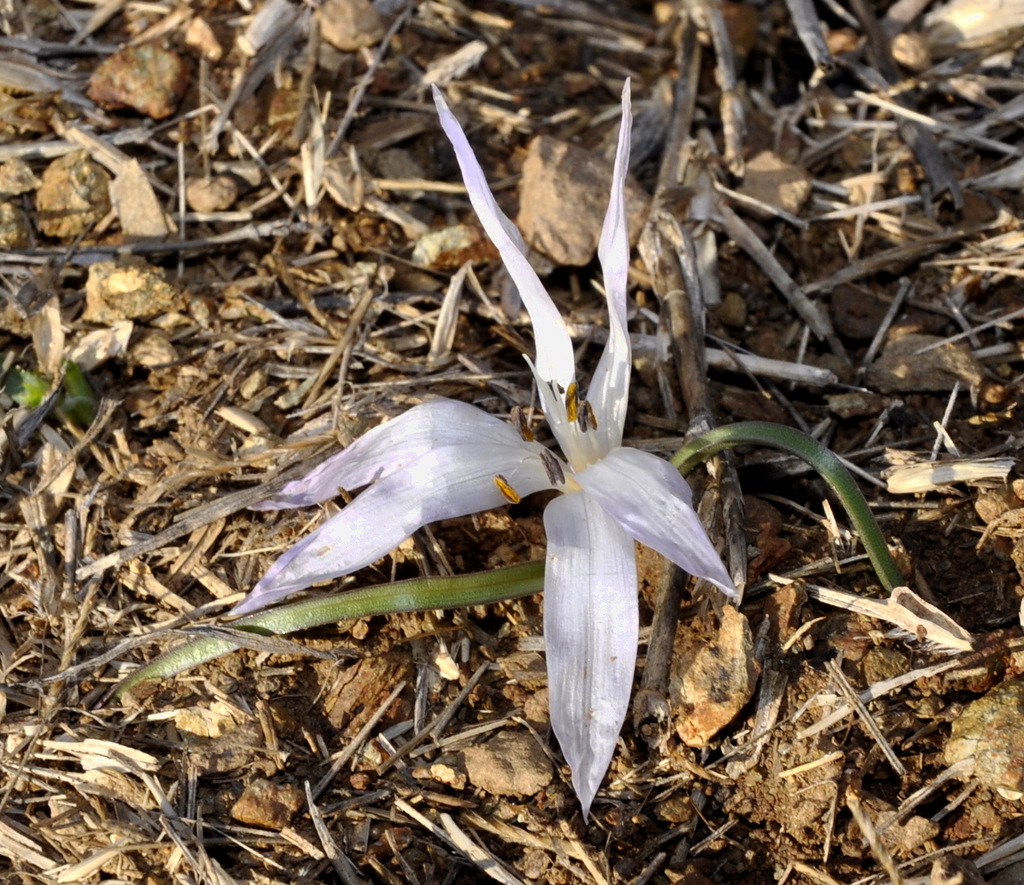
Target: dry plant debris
<point>241,221</point>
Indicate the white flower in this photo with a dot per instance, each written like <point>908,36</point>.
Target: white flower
<point>444,459</point>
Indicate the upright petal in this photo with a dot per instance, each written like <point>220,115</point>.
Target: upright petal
<point>652,502</point>
<point>591,624</point>
<point>443,483</point>
<point>609,389</point>
<point>392,446</point>
<point>554,347</point>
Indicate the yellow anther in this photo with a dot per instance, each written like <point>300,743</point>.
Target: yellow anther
<point>506,489</point>
<point>572,403</point>
<point>588,413</point>
<point>519,423</point>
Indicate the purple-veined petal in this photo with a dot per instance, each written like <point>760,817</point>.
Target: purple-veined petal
<point>609,388</point>
<point>444,482</point>
<point>652,502</point>
<point>392,446</point>
<point>554,347</point>
<point>591,625</point>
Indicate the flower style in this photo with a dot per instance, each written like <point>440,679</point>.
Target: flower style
<point>445,458</point>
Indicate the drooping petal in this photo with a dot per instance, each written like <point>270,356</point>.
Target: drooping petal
<point>652,502</point>
<point>609,388</point>
<point>591,624</point>
<point>392,446</point>
<point>554,347</point>
<point>442,483</point>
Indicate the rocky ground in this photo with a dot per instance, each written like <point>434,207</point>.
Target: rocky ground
<point>233,238</point>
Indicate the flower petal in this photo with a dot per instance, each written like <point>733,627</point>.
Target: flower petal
<point>591,622</point>
<point>393,445</point>
<point>443,483</point>
<point>554,347</point>
<point>652,502</point>
<point>609,388</point>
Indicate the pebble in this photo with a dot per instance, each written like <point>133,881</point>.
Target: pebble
<point>563,196</point>
<point>451,247</point>
<point>147,78</point>
<point>350,24</point>
<point>14,228</point>
<point>73,196</point>
<point>770,179</point>
<point>510,764</point>
<point>990,730</point>
<point>153,348</point>
<point>855,316</point>
<point>712,679</point>
<point>901,369</point>
<point>267,804</point>
<point>116,291</point>
<point>211,194</point>
<point>732,311</point>
<point>16,177</point>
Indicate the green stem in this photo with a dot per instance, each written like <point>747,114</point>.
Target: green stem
<point>521,580</point>
<point>418,594</point>
<point>786,439</point>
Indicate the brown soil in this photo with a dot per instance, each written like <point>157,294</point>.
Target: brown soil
<point>277,320</point>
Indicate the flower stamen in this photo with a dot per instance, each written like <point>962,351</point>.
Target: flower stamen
<point>572,403</point>
<point>587,419</point>
<point>556,476</point>
<point>518,417</point>
<point>506,489</point>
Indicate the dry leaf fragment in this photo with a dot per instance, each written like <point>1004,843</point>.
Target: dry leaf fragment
<point>926,477</point>
<point>136,204</point>
<point>906,611</point>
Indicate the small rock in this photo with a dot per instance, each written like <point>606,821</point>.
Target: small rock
<point>712,679</point>
<point>442,773</point>
<point>858,404</point>
<point>855,315</point>
<point>361,688</point>
<point>200,37</point>
<point>14,229</point>
<point>154,348</point>
<point>147,79</point>
<point>770,179</point>
<point>266,804</point>
<point>563,196</point>
<point>882,663</point>
<point>16,177</point>
<point>993,503</point>
<point>451,247</point>
<point>989,729</point>
<point>138,209</point>
<point>211,194</point>
<point>350,24</point>
<point>912,51</point>
<point>732,311</point>
<point>510,764</point>
<point>901,368</point>
<point>73,196</point>
<point>116,291</point>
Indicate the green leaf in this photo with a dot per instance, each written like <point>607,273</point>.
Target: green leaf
<point>419,594</point>
<point>78,401</point>
<point>26,388</point>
